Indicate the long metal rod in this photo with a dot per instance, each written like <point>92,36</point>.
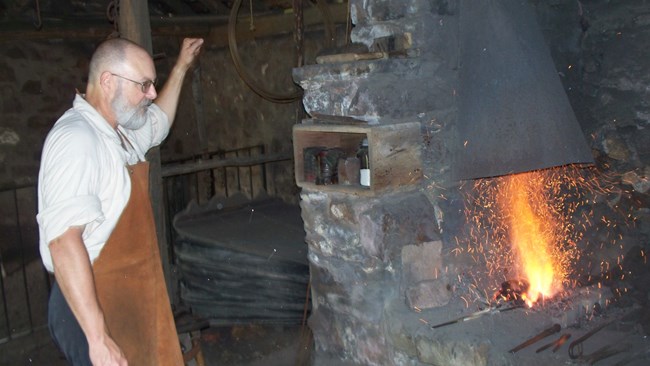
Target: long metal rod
<point>177,169</point>
<point>543,334</point>
<point>491,310</point>
<point>556,344</point>
<point>577,344</point>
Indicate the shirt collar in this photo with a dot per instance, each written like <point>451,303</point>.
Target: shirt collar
<point>95,119</point>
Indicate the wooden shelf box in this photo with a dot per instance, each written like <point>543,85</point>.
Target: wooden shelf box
<point>394,152</point>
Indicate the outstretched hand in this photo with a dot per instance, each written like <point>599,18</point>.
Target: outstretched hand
<point>190,49</point>
<point>168,96</point>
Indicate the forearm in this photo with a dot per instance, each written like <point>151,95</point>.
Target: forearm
<point>167,99</point>
<point>73,272</point>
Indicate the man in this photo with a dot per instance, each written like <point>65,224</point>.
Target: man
<point>109,304</point>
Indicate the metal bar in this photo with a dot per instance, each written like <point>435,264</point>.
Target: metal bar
<point>491,310</point>
<point>238,175</point>
<point>264,183</point>
<point>178,169</point>
<point>250,181</point>
<point>557,343</point>
<point>543,334</point>
<point>578,342</point>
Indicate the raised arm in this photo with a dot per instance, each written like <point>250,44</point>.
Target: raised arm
<point>167,99</point>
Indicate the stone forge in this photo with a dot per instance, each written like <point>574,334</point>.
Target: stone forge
<point>388,285</point>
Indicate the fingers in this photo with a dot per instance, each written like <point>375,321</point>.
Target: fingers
<point>193,45</point>
<point>190,49</point>
<point>106,353</point>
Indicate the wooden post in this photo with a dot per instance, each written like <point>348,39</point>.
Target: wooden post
<point>134,25</point>
<point>299,39</point>
<point>299,31</point>
<point>204,178</point>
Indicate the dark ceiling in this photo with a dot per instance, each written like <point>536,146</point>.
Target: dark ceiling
<point>29,19</point>
<point>96,19</point>
<point>17,11</point>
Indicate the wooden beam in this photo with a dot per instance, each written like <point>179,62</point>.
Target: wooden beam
<point>213,28</point>
<point>134,23</point>
<point>272,25</point>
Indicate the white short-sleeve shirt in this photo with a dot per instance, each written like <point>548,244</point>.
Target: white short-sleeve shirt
<point>83,178</point>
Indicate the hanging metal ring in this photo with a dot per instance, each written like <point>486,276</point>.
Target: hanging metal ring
<point>234,53</point>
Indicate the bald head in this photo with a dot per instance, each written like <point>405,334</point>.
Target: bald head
<point>114,54</point>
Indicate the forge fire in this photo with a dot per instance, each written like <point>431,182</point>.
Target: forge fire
<point>527,234</point>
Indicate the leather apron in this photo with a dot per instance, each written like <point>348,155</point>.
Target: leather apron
<point>130,283</point>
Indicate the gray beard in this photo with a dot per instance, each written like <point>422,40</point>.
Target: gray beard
<point>130,118</point>
<point>135,121</point>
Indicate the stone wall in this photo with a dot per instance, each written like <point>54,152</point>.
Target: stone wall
<point>600,54</point>
<point>37,84</point>
<point>374,257</point>
<point>357,250</point>
<point>38,80</point>
<point>378,261</point>
<point>598,50</point>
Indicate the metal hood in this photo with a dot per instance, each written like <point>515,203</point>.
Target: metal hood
<point>514,114</point>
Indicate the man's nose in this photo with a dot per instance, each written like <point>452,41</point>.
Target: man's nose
<point>151,93</point>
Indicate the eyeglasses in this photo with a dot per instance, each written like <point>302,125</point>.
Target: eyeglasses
<point>144,86</point>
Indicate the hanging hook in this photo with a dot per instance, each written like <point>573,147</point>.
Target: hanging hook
<point>112,14</point>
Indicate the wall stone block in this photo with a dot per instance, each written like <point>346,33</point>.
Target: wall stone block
<point>428,294</point>
<point>367,90</point>
<point>436,351</point>
<point>422,262</point>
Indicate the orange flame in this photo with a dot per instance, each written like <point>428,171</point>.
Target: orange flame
<point>525,228</point>
<point>532,231</point>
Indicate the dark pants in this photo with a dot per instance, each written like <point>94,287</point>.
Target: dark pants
<point>65,330</point>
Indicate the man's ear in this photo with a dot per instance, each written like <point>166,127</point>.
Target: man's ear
<point>105,80</point>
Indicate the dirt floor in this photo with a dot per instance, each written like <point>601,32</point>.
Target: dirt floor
<point>256,345</point>
<point>237,346</point>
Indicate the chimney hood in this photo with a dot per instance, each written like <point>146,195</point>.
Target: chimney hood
<point>514,115</point>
